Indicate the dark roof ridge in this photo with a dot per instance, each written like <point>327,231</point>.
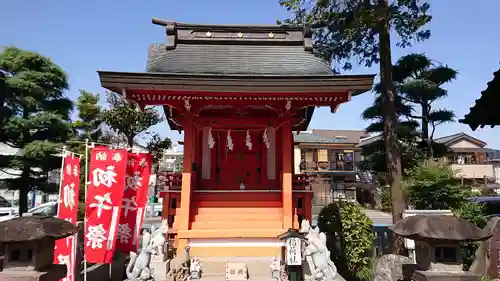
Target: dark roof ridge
<point>184,25</point>
<point>455,137</point>
<point>184,33</point>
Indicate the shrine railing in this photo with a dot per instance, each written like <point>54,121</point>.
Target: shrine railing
<point>301,182</point>
<point>169,181</point>
<point>347,166</point>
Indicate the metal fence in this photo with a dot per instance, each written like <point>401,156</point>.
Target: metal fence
<point>383,241</point>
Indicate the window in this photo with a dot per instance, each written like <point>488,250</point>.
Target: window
<point>21,255</point>
<point>445,254</point>
<point>4,203</point>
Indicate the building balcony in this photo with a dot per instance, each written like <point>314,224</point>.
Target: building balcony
<point>329,166</point>
<point>474,171</point>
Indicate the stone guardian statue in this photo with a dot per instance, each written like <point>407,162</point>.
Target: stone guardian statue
<point>319,265</point>
<point>138,268</point>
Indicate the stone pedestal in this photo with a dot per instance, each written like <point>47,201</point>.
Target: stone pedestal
<point>117,268</point>
<point>159,268</point>
<point>50,273</point>
<point>32,260</point>
<point>419,275</point>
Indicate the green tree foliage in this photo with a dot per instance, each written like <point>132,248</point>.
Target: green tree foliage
<point>435,186</point>
<point>346,29</point>
<point>420,82</point>
<point>126,119</point>
<point>432,185</point>
<point>88,126</point>
<point>356,237</point>
<point>37,122</point>
<point>350,29</point>
<point>156,145</point>
<point>89,117</point>
<point>406,129</point>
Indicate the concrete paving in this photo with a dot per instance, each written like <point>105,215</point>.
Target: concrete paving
<point>378,217</point>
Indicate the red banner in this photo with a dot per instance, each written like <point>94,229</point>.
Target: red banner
<point>107,170</point>
<point>134,201</point>
<point>67,209</point>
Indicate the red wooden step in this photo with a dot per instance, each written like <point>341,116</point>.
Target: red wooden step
<point>235,210</point>
<point>222,204</point>
<point>224,224</point>
<point>232,216</point>
<point>237,196</point>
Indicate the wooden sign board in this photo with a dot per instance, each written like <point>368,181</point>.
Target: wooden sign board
<point>236,272</point>
<point>293,251</point>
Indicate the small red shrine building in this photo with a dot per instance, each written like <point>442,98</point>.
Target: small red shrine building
<point>237,92</point>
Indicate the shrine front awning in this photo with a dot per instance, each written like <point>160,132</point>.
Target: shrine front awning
<point>485,111</point>
<point>152,88</point>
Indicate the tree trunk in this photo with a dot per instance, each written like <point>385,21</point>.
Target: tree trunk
<point>3,95</point>
<point>393,158</point>
<point>425,129</point>
<point>130,141</point>
<point>24,189</point>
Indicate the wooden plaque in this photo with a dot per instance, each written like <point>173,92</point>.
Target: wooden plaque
<point>236,272</point>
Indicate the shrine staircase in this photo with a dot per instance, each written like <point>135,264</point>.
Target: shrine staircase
<point>236,224</point>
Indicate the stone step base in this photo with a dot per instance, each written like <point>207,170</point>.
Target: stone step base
<point>258,267</point>
<point>234,251</point>
<point>223,278</point>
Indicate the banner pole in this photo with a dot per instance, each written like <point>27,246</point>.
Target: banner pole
<point>86,176</point>
<point>61,175</point>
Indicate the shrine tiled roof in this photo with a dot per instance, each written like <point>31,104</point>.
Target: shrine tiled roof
<point>305,137</point>
<point>260,50</point>
<point>485,111</point>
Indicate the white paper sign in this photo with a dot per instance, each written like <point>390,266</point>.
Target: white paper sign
<point>293,251</point>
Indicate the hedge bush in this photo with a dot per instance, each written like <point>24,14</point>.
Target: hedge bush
<point>357,236</point>
<point>435,186</point>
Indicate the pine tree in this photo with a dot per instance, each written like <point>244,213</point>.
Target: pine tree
<point>420,82</point>
<point>87,128</point>
<point>37,123</point>
<point>126,119</point>
<point>89,120</point>
<point>345,29</point>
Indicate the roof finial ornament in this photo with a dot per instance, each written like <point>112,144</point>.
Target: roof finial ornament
<point>208,34</point>
<point>270,35</point>
<point>240,35</point>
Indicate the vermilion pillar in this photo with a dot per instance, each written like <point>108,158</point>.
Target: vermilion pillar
<point>287,140</point>
<point>185,207</point>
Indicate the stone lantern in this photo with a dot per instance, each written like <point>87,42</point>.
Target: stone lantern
<point>29,247</point>
<point>437,245</point>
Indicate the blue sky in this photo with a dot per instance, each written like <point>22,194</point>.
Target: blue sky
<point>85,36</point>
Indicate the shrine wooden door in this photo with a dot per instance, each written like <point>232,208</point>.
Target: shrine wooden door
<point>240,165</point>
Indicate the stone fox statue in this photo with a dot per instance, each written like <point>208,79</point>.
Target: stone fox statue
<point>159,238</point>
<point>138,267</point>
<point>321,266</point>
